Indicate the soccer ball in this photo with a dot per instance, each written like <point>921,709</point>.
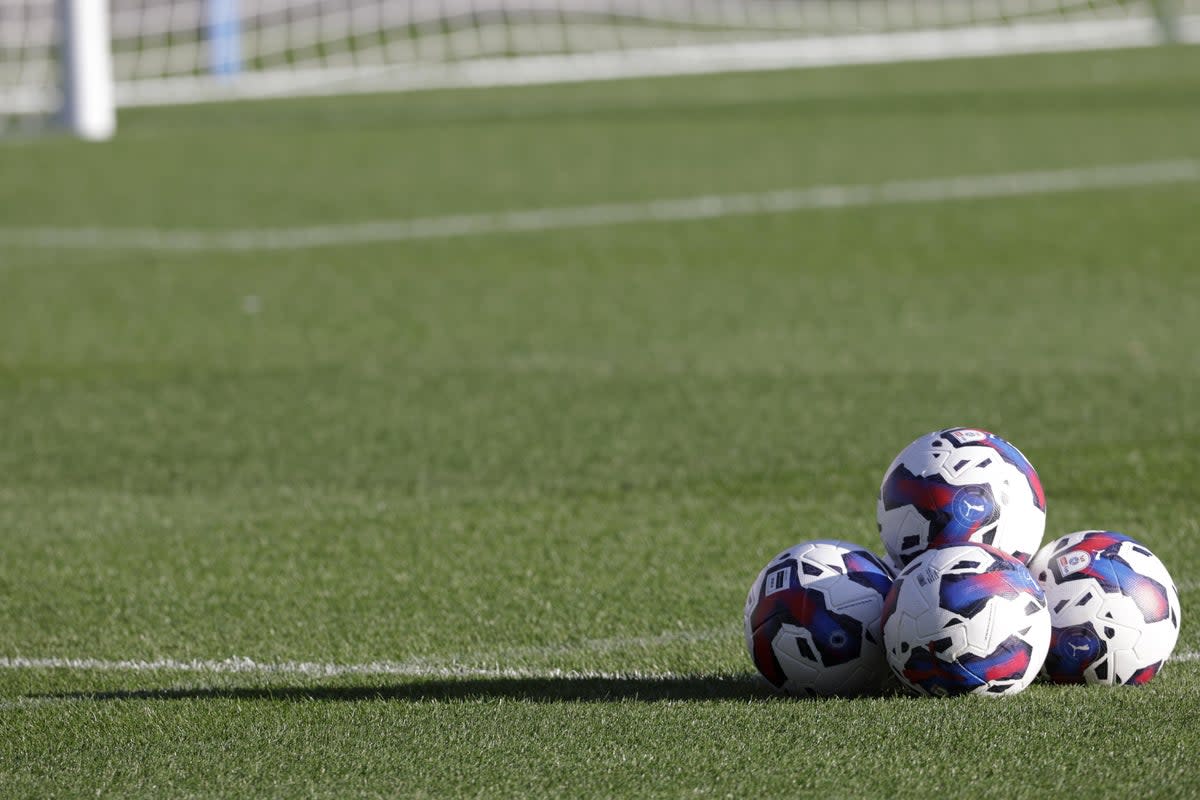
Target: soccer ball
<point>960,485</point>
<point>966,618</point>
<point>1114,610</point>
<point>812,619</point>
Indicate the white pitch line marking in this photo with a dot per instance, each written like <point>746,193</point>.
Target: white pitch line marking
<point>813,198</point>
<point>454,666</point>
<point>314,669</point>
<point>246,666</point>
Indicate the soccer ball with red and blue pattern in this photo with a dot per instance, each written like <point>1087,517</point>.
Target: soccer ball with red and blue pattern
<point>812,620</point>
<point>965,619</point>
<point>1114,609</point>
<point>960,485</point>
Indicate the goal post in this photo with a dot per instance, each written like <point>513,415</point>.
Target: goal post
<point>56,67</point>
<point>88,102</point>
<point>78,60</point>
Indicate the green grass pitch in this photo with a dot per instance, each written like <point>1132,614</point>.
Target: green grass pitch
<point>536,472</point>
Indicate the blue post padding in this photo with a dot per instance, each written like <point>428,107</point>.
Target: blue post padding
<point>224,38</point>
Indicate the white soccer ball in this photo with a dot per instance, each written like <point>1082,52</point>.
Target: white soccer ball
<point>1114,609</point>
<point>966,618</point>
<point>812,619</point>
<point>960,485</point>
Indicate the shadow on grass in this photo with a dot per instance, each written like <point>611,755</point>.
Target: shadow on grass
<point>538,690</point>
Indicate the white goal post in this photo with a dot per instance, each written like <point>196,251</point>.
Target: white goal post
<point>77,60</point>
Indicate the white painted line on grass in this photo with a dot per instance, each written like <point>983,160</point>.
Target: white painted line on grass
<point>446,667</point>
<point>611,644</point>
<point>316,669</point>
<point>25,702</point>
<point>312,669</point>
<point>934,190</point>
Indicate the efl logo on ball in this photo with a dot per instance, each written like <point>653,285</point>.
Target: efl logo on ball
<point>1072,562</point>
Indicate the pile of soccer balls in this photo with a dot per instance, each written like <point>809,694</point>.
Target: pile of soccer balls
<point>967,604</point>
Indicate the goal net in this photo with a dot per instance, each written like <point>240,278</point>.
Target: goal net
<point>182,51</point>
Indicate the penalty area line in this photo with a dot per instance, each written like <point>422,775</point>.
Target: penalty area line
<point>682,209</point>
